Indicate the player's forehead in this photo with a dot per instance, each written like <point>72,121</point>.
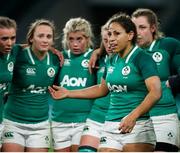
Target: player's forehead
<point>7,31</point>
<point>140,20</point>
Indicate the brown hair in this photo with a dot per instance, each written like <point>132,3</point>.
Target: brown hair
<point>125,21</point>
<point>151,18</point>
<point>6,22</point>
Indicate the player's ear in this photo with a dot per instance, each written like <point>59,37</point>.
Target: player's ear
<point>153,28</point>
<point>131,35</point>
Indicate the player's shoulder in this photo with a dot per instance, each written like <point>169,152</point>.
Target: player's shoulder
<point>142,56</point>
<point>168,40</point>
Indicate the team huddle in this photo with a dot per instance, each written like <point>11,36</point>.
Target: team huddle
<point>122,96</point>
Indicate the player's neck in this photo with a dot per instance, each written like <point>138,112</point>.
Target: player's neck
<point>39,54</point>
<point>126,51</point>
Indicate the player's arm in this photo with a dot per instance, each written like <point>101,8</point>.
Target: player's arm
<point>59,54</point>
<point>154,93</point>
<point>95,91</point>
<point>94,57</point>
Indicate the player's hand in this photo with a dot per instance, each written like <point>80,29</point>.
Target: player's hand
<point>58,92</point>
<point>93,60</point>
<point>127,124</point>
<point>59,54</point>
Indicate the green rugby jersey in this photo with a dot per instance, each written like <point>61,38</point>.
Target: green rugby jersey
<point>165,52</point>
<point>6,71</point>
<point>28,94</point>
<point>74,75</point>
<point>125,79</point>
<point>101,105</point>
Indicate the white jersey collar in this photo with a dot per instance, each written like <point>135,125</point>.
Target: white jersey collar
<point>32,59</point>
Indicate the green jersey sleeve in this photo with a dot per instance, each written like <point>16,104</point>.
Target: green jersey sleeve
<point>146,65</point>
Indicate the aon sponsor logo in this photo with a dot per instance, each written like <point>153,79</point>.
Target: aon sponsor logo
<point>73,81</point>
<point>117,88</point>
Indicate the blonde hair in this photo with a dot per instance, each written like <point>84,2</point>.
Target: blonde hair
<point>37,23</point>
<point>74,25</point>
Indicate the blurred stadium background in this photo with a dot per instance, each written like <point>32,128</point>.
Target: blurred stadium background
<point>96,11</point>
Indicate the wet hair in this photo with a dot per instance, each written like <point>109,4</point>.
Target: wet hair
<point>125,21</point>
<point>151,18</point>
<point>8,23</point>
<point>75,25</point>
<point>37,23</point>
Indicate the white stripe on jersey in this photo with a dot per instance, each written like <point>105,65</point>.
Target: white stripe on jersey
<point>131,53</point>
<point>152,45</point>
<point>31,57</point>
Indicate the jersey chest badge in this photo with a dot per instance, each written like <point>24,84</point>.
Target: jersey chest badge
<point>51,72</point>
<point>10,66</point>
<point>126,70</point>
<point>85,63</point>
<point>157,57</point>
